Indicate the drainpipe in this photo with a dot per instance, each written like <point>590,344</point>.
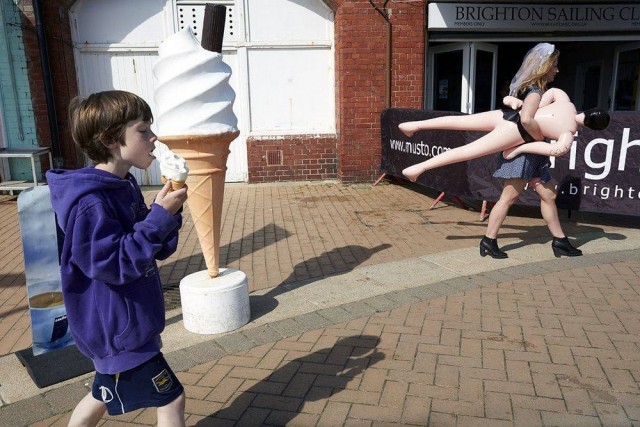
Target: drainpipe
<point>48,85</point>
<point>385,16</point>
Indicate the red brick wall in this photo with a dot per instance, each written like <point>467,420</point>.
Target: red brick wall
<point>36,85</point>
<point>361,77</point>
<point>58,34</point>
<point>291,158</point>
<point>409,23</point>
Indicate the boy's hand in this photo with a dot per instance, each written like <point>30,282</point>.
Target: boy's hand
<point>171,200</point>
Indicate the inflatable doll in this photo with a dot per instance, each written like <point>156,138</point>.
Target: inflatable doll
<point>556,118</point>
<point>510,127</point>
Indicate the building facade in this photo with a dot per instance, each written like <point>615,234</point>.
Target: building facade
<point>311,76</point>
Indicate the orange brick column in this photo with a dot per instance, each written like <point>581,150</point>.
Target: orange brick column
<point>361,77</point>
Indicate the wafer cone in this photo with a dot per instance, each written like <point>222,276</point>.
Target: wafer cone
<point>206,157</point>
<point>175,185</point>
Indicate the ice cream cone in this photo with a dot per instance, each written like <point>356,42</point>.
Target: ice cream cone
<point>175,185</point>
<point>206,157</point>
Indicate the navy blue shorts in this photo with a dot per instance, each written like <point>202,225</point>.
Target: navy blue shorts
<point>150,385</point>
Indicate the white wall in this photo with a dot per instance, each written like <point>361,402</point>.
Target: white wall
<point>115,47</point>
<point>281,53</point>
<point>290,60</point>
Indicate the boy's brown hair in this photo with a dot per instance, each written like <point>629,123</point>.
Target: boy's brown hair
<point>101,119</point>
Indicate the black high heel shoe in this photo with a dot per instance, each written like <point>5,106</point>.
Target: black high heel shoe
<point>490,246</point>
<point>562,246</point>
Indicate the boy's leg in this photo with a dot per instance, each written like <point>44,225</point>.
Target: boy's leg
<point>88,412</point>
<point>172,414</point>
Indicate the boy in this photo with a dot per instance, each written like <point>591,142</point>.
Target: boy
<point>110,281</point>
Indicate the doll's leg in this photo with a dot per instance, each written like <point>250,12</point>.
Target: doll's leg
<point>558,148</point>
<point>486,121</point>
<point>504,136</point>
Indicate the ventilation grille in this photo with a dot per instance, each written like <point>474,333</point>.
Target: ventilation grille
<point>192,14</point>
<point>274,158</point>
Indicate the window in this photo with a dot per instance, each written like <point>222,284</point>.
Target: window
<point>626,76</point>
<point>462,77</point>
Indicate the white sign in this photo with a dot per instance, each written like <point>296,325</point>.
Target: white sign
<point>535,17</point>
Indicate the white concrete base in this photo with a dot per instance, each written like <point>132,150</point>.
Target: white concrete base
<point>213,306</point>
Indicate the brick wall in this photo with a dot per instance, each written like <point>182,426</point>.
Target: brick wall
<point>58,34</point>
<point>361,75</point>
<point>409,23</point>
<point>291,158</point>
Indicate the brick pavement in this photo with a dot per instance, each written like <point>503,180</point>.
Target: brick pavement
<point>555,347</point>
<point>287,233</point>
<point>559,348</point>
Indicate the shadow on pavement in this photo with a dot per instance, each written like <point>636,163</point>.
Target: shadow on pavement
<point>12,280</point>
<point>263,304</point>
<point>279,398</point>
<point>229,253</point>
<point>266,236</point>
<point>259,239</point>
<point>540,233</point>
<point>8,281</point>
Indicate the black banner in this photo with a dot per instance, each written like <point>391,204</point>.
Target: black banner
<point>601,173</point>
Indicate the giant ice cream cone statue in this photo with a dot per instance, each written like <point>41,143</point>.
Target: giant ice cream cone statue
<point>196,120</point>
<point>206,156</point>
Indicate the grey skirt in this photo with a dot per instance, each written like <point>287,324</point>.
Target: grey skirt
<point>525,166</point>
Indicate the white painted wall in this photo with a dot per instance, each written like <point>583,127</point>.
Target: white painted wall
<point>290,66</point>
<point>115,47</point>
<point>117,22</point>
<point>281,53</point>
<point>291,90</point>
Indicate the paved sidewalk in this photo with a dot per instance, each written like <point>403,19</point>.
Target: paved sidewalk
<point>370,309</point>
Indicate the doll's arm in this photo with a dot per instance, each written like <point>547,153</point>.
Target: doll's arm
<point>512,102</point>
<point>550,96</point>
<point>556,148</point>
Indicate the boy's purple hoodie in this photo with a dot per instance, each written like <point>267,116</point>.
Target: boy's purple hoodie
<point>110,280</point>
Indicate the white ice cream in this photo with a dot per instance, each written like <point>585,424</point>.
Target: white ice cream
<point>192,92</point>
<point>172,166</point>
